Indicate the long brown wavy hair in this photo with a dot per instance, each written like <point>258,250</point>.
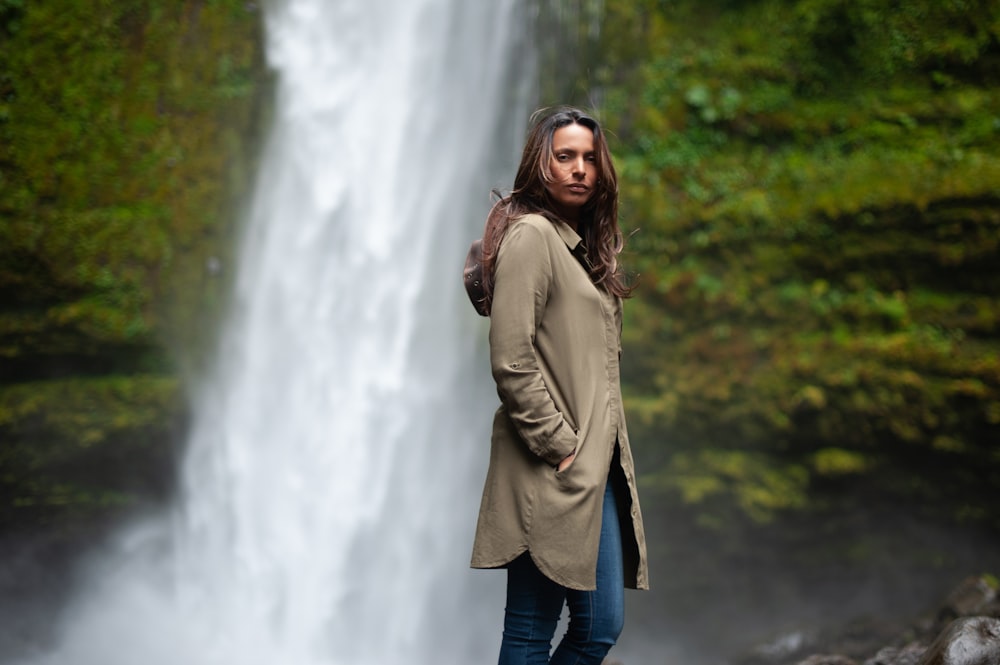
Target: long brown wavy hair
<point>598,224</point>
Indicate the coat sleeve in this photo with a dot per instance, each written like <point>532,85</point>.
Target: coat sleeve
<point>522,280</point>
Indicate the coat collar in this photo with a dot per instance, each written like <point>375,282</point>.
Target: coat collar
<point>575,244</point>
<point>569,236</point>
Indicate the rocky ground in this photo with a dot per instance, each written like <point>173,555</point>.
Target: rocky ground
<point>963,630</point>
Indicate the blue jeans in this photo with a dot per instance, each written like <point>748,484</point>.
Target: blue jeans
<point>534,605</point>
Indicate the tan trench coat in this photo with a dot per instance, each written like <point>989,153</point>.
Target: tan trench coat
<point>554,350</point>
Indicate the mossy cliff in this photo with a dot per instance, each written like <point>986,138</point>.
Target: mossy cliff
<point>816,189</point>
<point>126,135</point>
<point>812,358</point>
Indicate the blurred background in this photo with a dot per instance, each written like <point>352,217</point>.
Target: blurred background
<point>811,193</point>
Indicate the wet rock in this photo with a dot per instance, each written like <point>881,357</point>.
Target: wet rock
<point>863,637</point>
<point>907,655</point>
<point>966,626</point>
<point>962,637</point>
<point>974,596</point>
<point>967,641</point>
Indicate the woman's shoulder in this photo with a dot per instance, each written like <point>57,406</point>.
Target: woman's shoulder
<point>533,220</point>
<point>529,237</point>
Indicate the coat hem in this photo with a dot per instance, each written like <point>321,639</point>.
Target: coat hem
<point>558,579</point>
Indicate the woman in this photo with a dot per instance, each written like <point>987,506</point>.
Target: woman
<point>559,508</point>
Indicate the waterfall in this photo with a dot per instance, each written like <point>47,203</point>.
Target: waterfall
<point>331,481</point>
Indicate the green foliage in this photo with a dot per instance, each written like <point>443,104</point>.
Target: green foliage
<point>119,126</point>
<point>10,14</point>
<point>752,482</point>
<point>126,133</point>
<point>814,185</point>
<point>87,411</point>
<point>73,447</point>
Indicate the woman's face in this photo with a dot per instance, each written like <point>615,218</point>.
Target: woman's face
<point>574,170</point>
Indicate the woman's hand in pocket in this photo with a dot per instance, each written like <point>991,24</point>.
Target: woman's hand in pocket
<point>566,461</point>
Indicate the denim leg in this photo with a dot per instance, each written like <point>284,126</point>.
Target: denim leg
<point>534,603</point>
<point>596,618</point>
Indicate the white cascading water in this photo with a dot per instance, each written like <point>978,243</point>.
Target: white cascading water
<point>331,482</point>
